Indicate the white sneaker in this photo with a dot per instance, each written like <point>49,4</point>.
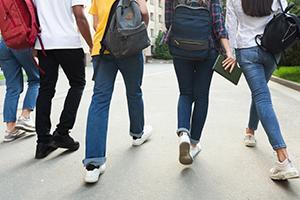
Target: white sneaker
<point>185,157</point>
<point>10,136</point>
<point>194,151</point>
<point>250,140</point>
<point>25,124</point>
<point>92,175</point>
<point>283,171</point>
<point>147,133</point>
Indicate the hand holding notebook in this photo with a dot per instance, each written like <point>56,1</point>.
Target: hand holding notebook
<point>233,77</point>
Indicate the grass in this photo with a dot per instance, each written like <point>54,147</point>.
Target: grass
<point>1,77</point>
<point>288,73</point>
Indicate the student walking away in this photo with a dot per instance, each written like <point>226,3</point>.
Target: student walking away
<point>196,33</point>
<point>106,64</point>
<point>62,48</point>
<point>15,56</point>
<point>12,63</point>
<point>245,20</point>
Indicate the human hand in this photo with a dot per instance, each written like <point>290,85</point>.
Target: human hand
<point>229,63</point>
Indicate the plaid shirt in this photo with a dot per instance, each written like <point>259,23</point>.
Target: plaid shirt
<point>218,21</point>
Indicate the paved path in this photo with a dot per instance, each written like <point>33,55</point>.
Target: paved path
<point>225,169</point>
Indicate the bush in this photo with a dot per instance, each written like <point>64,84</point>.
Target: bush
<point>161,51</point>
<point>291,56</point>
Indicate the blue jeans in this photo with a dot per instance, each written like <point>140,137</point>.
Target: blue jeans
<point>105,71</point>
<point>194,78</point>
<point>12,62</point>
<point>258,66</point>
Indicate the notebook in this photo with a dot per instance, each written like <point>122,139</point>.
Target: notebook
<point>233,77</point>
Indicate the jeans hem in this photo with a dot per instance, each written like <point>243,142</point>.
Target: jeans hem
<point>279,146</point>
<point>179,130</point>
<point>8,120</point>
<point>252,127</point>
<point>138,135</point>
<point>194,142</point>
<point>94,161</point>
<point>28,108</point>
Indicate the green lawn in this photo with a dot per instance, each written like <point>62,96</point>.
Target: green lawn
<point>1,77</point>
<point>289,73</point>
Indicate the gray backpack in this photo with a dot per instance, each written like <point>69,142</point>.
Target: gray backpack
<point>126,34</point>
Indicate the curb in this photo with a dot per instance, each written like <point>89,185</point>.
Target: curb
<point>158,61</point>
<point>289,84</point>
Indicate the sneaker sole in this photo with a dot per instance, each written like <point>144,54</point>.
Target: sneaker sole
<point>62,145</point>
<point>25,128</point>
<point>184,154</point>
<point>45,155</point>
<point>282,177</point>
<point>250,144</point>
<point>15,138</point>
<point>135,143</point>
<point>91,181</point>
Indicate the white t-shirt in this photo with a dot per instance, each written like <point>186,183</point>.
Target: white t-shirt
<point>58,26</point>
<point>242,28</point>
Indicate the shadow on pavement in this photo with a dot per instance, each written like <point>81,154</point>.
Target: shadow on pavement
<point>18,167</point>
<point>5,145</point>
<point>288,188</point>
<point>59,156</point>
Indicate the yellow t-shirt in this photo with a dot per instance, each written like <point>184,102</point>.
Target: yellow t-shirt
<point>101,9</point>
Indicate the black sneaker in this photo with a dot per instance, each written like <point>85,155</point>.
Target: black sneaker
<point>64,141</point>
<point>43,150</point>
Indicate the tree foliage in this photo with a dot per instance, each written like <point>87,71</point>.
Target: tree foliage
<point>291,56</point>
<point>161,51</point>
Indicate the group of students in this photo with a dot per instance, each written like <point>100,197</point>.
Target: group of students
<point>62,47</point>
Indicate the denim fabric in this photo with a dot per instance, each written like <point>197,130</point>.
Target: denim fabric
<point>194,78</point>
<point>12,62</point>
<point>258,66</point>
<point>105,71</point>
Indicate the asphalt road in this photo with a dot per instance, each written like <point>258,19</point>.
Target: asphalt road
<point>224,170</point>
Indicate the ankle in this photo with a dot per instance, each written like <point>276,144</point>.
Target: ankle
<point>249,131</point>
<point>26,113</point>
<point>282,154</point>
<point>282,158</point>
<point>11,127</point>
<point>181,133</point>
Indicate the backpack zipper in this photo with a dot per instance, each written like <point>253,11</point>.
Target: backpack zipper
<point>188,42</point>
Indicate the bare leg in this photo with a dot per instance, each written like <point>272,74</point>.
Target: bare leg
<point>282,154</point>
<point>26,113</point>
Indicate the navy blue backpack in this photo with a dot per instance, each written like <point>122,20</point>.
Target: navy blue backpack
<point>191,30</point>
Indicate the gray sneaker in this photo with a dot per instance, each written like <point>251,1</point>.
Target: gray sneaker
<point>25,124</point>
<point>10,136</point>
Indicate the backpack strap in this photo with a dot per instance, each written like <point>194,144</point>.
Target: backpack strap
<point>37,24</point>
<point>111,13</point>
<point>280,4</point>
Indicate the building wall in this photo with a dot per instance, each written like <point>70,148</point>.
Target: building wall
<point>156,10</point>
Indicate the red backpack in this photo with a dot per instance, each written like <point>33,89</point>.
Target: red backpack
<point>18,23</point>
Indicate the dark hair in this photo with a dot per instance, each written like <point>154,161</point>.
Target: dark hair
<point>257,8</point>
